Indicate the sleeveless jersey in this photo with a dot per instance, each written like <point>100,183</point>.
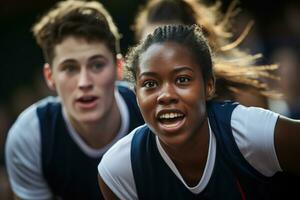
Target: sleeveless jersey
<point>233,178</point>
<point>69,172</point>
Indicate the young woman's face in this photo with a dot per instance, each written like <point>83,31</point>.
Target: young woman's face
<point>171,92</point>
<point>83,74</point>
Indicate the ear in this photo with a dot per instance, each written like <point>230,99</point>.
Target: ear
<point>120,64</point>
<point>48,75</point>
<point>210,88</point>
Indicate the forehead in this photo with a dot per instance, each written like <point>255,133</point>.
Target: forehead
<point>164,54</point>
<point>79,48</point>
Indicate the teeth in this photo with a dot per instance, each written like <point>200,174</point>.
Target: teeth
<point>170,115</point>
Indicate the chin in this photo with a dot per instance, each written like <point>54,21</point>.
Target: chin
<point>90,118</point>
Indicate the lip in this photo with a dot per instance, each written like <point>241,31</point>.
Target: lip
<point>170,127</point>
<point>165,111</point>
<point>90,104</point>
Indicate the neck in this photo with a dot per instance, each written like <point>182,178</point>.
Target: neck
<point>100,133</point>
<point>190,158</point>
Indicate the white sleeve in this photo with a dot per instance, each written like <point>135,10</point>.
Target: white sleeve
<point>253,130</point>
<point>23,157</point>
<point>116,171</point>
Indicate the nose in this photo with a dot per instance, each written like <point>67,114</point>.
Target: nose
<point>167,94</point>
<point>84,80</point>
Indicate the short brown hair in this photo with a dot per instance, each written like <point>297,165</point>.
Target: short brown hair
<point>88,20</point>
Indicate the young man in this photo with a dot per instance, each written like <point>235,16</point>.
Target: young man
<point>53,148</point>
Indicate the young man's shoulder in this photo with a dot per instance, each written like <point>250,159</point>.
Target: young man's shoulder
<point>22,153</point>
<point>30,112</point>
<point>28,122</point>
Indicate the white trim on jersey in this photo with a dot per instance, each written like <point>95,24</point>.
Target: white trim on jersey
<point>208,167</point>
<point>23,150</point>
<point>23,155</point>
<point>94,153</point>
<point>253,130</point>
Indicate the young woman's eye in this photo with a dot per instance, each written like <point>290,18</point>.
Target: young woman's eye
<point>149,84</point>
<point>183,79</point>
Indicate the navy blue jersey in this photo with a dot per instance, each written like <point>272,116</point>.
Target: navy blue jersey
<point>232,178</point>
<point>69,172</point>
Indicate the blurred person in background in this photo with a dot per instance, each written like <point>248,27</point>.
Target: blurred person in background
<point>53,148</point>
<point>288,58</point>
<point>285,185</point>
<point>231,62</point>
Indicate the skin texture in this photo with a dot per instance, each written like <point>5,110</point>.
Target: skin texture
<point>106,192</point>
<point>170,81</point>
<point>84,79</point>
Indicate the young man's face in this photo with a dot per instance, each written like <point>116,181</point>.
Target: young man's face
<point>83,74</point>
<point>171,92</point>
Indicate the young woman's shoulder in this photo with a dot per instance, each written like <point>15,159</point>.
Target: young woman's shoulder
<point>253,129</point>
<point>115,168</point>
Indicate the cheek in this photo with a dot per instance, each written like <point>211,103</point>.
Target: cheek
<point>146,103</point>
<point>195,100</point>
<point>142,100</point>
<point>63,84</point>
<point>107,77</point>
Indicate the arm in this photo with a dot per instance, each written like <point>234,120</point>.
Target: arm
<point>106,191</point>
<point>116,178</point>
<point>287,144</point>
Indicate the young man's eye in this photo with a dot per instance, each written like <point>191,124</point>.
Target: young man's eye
<point>183,79</point>
<point>97,66</point>
<point>69,68</point>
<point>149,84</point>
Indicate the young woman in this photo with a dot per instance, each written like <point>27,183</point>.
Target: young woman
<point>192,147</point>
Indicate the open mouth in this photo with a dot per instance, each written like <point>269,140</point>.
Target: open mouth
<point>171,120</point>
<point>87,101</point>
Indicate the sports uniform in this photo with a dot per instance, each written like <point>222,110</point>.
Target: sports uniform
<point>241,159</point>
<point>45,157</point>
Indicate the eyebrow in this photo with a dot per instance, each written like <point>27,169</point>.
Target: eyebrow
<point>176,70</point>
<point>182,68</point>
<point>97,56</point>
<point>147,74</point>
<point>72,60</point>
